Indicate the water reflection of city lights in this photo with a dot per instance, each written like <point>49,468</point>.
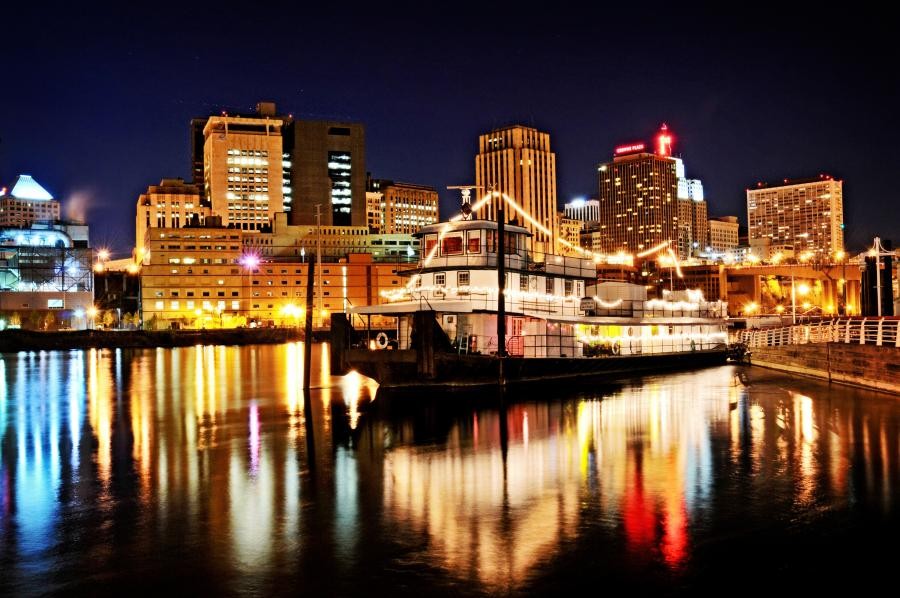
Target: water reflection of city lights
<point>215,461</point>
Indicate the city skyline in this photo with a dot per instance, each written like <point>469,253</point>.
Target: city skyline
<point>747,102</point>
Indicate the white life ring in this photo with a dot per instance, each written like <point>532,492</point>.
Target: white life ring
<point>616,348</point>
<point>381,341</point>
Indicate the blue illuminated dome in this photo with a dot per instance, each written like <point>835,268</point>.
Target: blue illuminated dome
<point>26,187</point>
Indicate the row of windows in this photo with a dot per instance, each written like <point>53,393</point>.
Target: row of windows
<point>192,236</point>
<point>243,170</point>
<point>526,283</point>
<point>243,152</point>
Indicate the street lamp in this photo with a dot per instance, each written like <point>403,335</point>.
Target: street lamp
<point>878,251</point>
<point>250,261</point>
<point>102,257</point>
<point>92,313</point>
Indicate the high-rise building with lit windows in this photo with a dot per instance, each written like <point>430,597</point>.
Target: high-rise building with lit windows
<point>807,214</point>
<point>399,208</point>
<point>517,161</point>
<point>265,111</point>
<point>723,235</point>
<point>27,202</point>
<point>570,232</point>
<point>645,200</point>
<point>585,210</point>
<point>329,163</point>
<point>321,163</point>
<point>171,204</point>
<point>244,165</point>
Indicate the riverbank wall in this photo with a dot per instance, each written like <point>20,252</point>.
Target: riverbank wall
<point>27,340</point>
<point>861,365</point>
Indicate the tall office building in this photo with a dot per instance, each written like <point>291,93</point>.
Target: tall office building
<point>244,164</point>
<point>569,231</point>
<point>171,204</point>
<point>583,210</point>
<point>399,208</point>
<point>329,169</point>
<point>322,162</point>
<point>646,200</point>
<point>517,161</point>
<point>26,203</point>
<point>806,214</point>
<point>723,235</point>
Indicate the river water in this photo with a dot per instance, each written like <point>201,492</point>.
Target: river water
<point>206,470</point>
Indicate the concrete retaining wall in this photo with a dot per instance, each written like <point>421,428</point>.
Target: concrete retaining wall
<point>867,366</point>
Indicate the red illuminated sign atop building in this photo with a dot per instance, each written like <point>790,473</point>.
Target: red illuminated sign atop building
<point>631,148</point>
<point>664,141</point>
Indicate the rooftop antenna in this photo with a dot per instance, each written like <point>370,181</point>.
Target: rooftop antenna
<point>466,191</point>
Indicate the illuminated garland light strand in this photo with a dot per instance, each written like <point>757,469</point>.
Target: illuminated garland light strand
<point>399,294</point>
<point>599,338</point>
<point>444,230</point>
<point>666,245</point>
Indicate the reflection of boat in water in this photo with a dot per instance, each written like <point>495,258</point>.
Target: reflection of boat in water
<point>557,323</point>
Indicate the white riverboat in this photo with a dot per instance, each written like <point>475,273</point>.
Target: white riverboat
<point>560,322</point>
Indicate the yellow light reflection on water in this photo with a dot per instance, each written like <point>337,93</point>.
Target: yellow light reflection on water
<point>215,437</point>
<point>100,386</point>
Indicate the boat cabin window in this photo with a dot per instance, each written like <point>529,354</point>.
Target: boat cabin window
<point>474,245</point>
<point>452,245</point>
<point>512,244</point>
<point>440,279</point>
<point>430,242</point>
<point>569,288</point>
<point>549,286</point>
<point>462,279</point>
<point>491,241</point>
<point>523,282</point>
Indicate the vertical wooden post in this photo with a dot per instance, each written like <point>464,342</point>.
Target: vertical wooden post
<point>423,343</point>
<point>307,337</point>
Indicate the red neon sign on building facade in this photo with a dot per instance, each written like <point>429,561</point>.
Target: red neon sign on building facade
<point>630,148</point>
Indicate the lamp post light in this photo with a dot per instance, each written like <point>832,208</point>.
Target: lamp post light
<point>793,299</point>
<point>102,258</point>
<point>92,313</point>
<point>250,261</point>
<point>878,251</point>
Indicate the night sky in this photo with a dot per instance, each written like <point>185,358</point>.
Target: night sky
<point>96,102</point>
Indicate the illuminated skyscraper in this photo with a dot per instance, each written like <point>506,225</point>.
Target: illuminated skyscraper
<point>517,161</point>
<point>646,200</point>
<point>583,210</point>
<point>723,235</point>
<point>26,203</point>
<point>329,164</point>
<point>244,162</point>
<point>399,208</point>
<point>307,163</point>
<point>171,204</point>
<point>807,214</point>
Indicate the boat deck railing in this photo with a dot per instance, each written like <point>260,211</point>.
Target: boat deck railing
<point>554,264</point>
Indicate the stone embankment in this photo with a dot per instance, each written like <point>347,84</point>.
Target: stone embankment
<point>863,365</point>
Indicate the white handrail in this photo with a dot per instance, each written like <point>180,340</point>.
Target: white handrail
<point>865,331</point>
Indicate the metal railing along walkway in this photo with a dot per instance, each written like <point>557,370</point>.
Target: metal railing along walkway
<point>881,332</point>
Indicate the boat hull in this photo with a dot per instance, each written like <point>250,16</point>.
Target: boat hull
<point>401,371</point>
